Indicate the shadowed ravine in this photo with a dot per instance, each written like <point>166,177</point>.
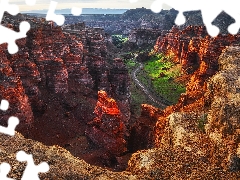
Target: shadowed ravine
<point>77,100</point>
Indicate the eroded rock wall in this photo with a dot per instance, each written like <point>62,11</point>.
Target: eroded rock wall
<point>203,143</point>
<point>198,55</point>
<point>52,84</point>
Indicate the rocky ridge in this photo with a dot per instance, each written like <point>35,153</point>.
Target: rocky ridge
<point>63,165</point>
<point>189,149</point>
<point>132,19</point>
<point>108,129</point>
<point>52,83</point>
<point>198,54</point>
<point>186,152</point>
<point>182,132</point>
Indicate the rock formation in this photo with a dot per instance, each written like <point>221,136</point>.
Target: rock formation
<point>198,54</point>
<point>63,165</point>
<point>52,82</point>
<point>60,82</point>
<point>124,23</point>
<point>204,142</point>
<point>11,89</point>
<point>107,129</point>
<point>142,37</point>
<point>142,132</point>
<point>187,150</point>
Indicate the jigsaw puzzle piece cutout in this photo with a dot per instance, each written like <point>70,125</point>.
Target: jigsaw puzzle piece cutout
<point>181,6</point>
<point>4,105</point>
<point>4,170</point>
<point>233,11</point>
<point>180,19</point>
<point>210,10</point>
<point>9,36</point>
<point>234,28</point>
<point>157,6</point>
<point>76,11</point>
<point>208,13</point>
<point>12,123</point>
<point>31,171</point>
<point>51,16</point>
<point>208,17</point>
<point>10,8</point>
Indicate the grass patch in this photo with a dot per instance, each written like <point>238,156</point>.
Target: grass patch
<point>131,64</point>
<point>119,40</point>
<point>137,98</point>
<point>160,73</point>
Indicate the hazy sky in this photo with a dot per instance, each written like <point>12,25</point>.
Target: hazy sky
<point>63,4</point>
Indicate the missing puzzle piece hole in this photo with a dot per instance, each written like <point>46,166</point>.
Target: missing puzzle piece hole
<point>156,6</point>
<point>180,20</point>
<point>213,31</point>
<point>76,11</point>
<point>12,48</point>
<point>4,170</point>
<point>51,16</point>
<point>4,105</point>
<point>233,28</point>
<point>24,28</point>
<point>12,123</point>
<point>14,10</point>
<point>31,171</point>
<point>11,8</point>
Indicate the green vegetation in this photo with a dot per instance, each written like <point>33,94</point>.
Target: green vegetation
<point>119,40</point>
<point>159,73</point>
<point>137,98</point>
<point>130,64</point>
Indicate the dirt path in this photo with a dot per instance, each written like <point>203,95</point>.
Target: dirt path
<point>158,100</point>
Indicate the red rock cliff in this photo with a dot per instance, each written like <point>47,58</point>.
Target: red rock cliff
<point>52,83</point>
<point>107,129</point>
<point>198,54</point>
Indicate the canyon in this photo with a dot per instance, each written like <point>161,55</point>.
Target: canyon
<point>71,89</point>
<point>53,82</point>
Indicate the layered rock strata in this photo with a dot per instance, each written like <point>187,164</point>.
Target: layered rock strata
<point>107,129</point>
<point>198,54</point>
<point>203,143</point>
<point>186,153</point>
<point>144,36</point>
<point>11,89</point>
<point>52,83</point>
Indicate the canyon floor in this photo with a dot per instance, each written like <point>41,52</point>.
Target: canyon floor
<point>140,99</point>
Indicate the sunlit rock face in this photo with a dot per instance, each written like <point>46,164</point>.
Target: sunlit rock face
<point>223,97</point>
<point>198,55</point>
<point>11,89</point>
<point>52,84</point>
<point>202,141</point>
<point>107,129</point>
